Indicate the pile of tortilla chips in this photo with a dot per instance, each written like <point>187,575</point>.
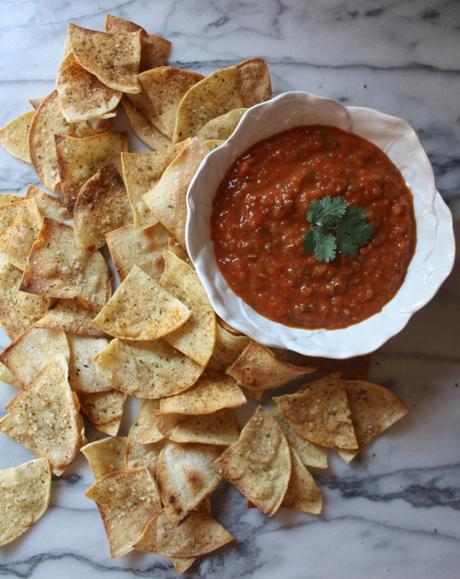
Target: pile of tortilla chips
<point>81,348</point>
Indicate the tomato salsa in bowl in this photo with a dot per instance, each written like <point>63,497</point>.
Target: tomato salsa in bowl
<point>317,227</point>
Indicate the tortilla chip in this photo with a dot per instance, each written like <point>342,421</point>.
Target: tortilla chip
<point>219,428</point>
<point>35,103</point>
<point>221,127</point>
<point>80,159</point>
<point>70,316</point>
<point>321,413</point>
<point>143,128</point>
<point>139,246</point>
<point>310,454</point>
<point>166,199</point>
<point>26,356</point>
<point>82,96</point>
<point>186,477</point>
<point>227,348</point>
<point>8,377</point>
<point>113,57</point>
<point>104,410</point>
<point>83,373</point>
<point>48,205</point>
<point>8,198</point>
<point>200,534</point>
<point>212,392</point>
<point>18,310</point>
<point>147,431</point>
<point>165,86</point>
<point>141,455</point>
<point>303,494</point>
<point>58,268</point>
<point>24,497</point>
<point>177,249</point>
<point>141,309</point>
<point>196,338</point>
<point>147,369</point>
<point>14,137</point>
<point>258,369</point>
<point>155,50</point>
<point>20,433</point>
<point>259,463</point>
<point>238,86</point>
<point>127,500</point>
<point>182,564</point>
<point>373,410</point>
<point>106,455</point>
<point>47,410</point>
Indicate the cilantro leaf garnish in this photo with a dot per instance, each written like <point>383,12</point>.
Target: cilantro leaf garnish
<point>335,227</point>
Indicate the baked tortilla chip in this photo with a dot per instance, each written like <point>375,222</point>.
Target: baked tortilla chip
<point>83,374</point>
<point>113,57</point>
<point>155,50</point>
<point>101,206</point>
<point>321,413</point>
<point>82,96</point>
<point>48,205</point>
<point>165,86</point>
<point>302,494</point>
<point>104,410</point>
<point>310,454</point>
<point>141,309</point>
<point>186,477</point>
<point>196,338</point>
<point>48,410</point>
<point>35,103</point>
<point>106,455</point>
<point>147,369</point>
<point>212,392</point>
<point>139,246</point>
<point>127,500</point>
<point>200,534</point>
<point>24,497</point>
<point>221,127</point>
<point>8,377</point>
<point>259,463</point>
<point>147,431</point>
<point>227,348</point>
<point>79,159</point>
<point>182,564</point>
<point>18,310</point>
<point>20,433</point>
<point>141,455</point>
<point>14,137</point>
<point>238,86</point>
<point>166,199</point>
<point>26,356</point>
<point>70,316</point>
<point>58,268</point>
<point>143,128</point>
<point>8,198</point>
<point>219,428</point>
<point>373,410</point>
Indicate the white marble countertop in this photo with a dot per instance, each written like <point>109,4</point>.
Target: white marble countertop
<point>396,513</point>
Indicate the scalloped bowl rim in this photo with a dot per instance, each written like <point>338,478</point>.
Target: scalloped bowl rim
<point>435,250</point>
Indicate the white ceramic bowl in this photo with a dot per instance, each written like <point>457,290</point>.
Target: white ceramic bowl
<point>435,249</point>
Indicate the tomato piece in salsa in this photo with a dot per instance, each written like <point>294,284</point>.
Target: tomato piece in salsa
<point>259,222</point>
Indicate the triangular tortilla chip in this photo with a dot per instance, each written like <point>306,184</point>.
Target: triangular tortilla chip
<point>35,103</point>
<point>18,310</point>
<point>58,268</point>
<point>147,369</point>
<point>127,500</point>
<point>79,159</point>
<point>83,374</point>
<point>106,455</point>
<point>101,206</point>
<point>141,455</point>
<point>70,316</point>
<point>24,497</point>
<point>165,86</point>
<point>221,127</point>
<point>82,96</point>
<point>139,246</point>
<point>186,477</point>
<point>48,205</point>
<point>31,350</point>
<point>241,85</point>
<point>182,564</point>
<point>155,50</point>
<point>113,57</point>
<point>19,431</point>
<point>321,413</point>
<point>141,309</point>
<point>212,392</point>
<point>147,431</point>
<point>14,136</point>
<point>227,348</point>
<point>166,199</point>
<point>48,410</point>
<point>143,128</point>
<point>8,377</point>
<point>259,463</point>
<point>196,338</point>
<point>104,410</point>
<point>219,428</point>
<point>302,494</point>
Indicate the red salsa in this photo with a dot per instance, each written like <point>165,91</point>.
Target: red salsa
<point>259,222</point>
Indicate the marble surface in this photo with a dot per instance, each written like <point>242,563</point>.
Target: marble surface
<point>396,512</point>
